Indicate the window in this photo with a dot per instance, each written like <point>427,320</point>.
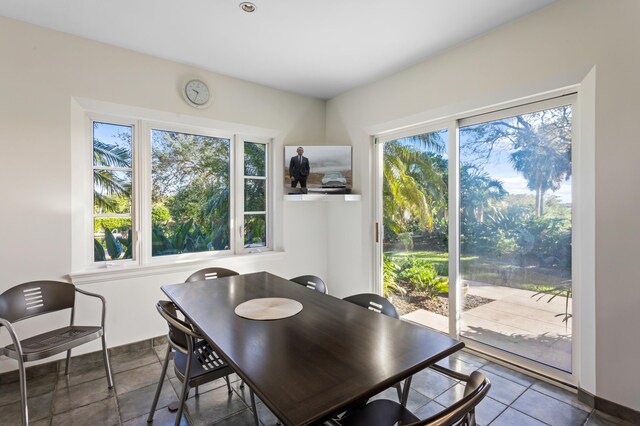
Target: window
<point>112,191</point>
<point>189,193</point>
<point>255,194</point>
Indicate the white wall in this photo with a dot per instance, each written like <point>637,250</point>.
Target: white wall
<point>549,49</point>
<point>40,72</point>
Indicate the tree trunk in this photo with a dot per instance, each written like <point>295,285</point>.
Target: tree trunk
<point>539,201</point>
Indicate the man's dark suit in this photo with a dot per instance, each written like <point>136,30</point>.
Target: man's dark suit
<point>298,171</point>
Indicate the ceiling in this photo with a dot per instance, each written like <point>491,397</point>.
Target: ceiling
<point>319,48</point>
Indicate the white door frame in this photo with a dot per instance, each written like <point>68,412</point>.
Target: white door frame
<point>579,268</point>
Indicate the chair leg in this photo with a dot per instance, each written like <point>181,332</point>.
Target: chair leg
<point>253,408</point>
<point>67,362</point>
<point>157,396</point>
<point>185,387</point>
<point>197,393</point>
<point>399,391</point>
<point>107,366</point>
<point>405,391</point>
<point>226,379</point>
<point>471,418</point>
<point>23,393</point>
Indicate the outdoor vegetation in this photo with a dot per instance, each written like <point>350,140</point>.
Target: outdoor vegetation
<point>519,238</point>
<point>190,193</point>
<point>112,192</point>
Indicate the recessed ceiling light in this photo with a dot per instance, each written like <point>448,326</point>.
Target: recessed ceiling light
<point>247,7</point>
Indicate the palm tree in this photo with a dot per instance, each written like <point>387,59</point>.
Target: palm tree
<point>413,187</point>
<point>107,185</point>
<point>541,144</point>
<point>477,191</point>
<point>542,153</point>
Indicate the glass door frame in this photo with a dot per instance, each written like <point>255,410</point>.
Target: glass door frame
<point>452,124</point>
<point>455,292</point>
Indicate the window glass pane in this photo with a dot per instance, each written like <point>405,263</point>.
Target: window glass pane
<point>111,191</point>
<point>255,230</point>
<point>255,195</point>
<point>112,239</point>
<point>190,193</point>
<point>415,227</point>
<point>254,159</point>
<point>111,145</point>
<point>515,234</point>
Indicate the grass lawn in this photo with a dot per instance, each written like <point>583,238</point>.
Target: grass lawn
<point>490,271</point>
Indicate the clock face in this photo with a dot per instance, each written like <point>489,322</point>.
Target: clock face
<point>197,92</point>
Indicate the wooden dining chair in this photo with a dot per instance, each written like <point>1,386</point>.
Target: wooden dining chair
<point>383,412</point>
<point>39,298</point>
<point>312,282</point>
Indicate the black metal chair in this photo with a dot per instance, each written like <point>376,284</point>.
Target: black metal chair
<point>383,412</point>
<point>374,302</point>
<point>38,298</point>
<point>312,282</point>
<point>210,274</point>
<point>195,361</point>
<point>377,303</point>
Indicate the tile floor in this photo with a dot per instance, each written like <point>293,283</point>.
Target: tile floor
<point>83,398</point>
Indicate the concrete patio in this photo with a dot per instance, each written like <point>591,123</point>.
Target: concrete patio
<point>515,321</point>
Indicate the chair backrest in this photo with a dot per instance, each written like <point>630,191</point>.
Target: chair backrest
<point>385,412</point>
<point>180,332</point>
<point>312,282</point>
<point>210,274</point>
<point>36,298</point>
<point>475,390</point>
<point>374,302</point>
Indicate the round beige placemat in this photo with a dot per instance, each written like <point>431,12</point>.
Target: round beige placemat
<point>268,308</point>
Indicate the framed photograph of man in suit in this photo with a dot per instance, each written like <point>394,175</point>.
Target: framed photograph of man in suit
<point>317,169</point>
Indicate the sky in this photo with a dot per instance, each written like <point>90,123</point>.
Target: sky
<point>499,167</point>
<point>107,133</point>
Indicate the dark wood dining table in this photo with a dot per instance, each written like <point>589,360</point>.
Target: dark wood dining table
<point>310,366</point>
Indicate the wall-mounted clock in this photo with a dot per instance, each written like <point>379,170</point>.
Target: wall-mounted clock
<point>197,94</point>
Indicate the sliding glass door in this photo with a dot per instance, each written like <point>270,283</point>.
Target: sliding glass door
<point>515,231</point>
<point>415,226</point>
<point>503,255</point>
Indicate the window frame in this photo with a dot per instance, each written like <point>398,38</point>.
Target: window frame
<point>240,179</point>
<point>141,203</point>
<point>135,189</point>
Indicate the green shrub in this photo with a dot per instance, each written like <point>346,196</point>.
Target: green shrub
<point>423,276</point>
<point>390,278</point>
<point>111,223</point>
<point>160,214</point>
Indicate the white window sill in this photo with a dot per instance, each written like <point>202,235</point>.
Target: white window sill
<point>322,197</point>
<point>123,271</point>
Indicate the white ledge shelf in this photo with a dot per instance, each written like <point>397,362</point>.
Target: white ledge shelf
<point>322,197</point>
